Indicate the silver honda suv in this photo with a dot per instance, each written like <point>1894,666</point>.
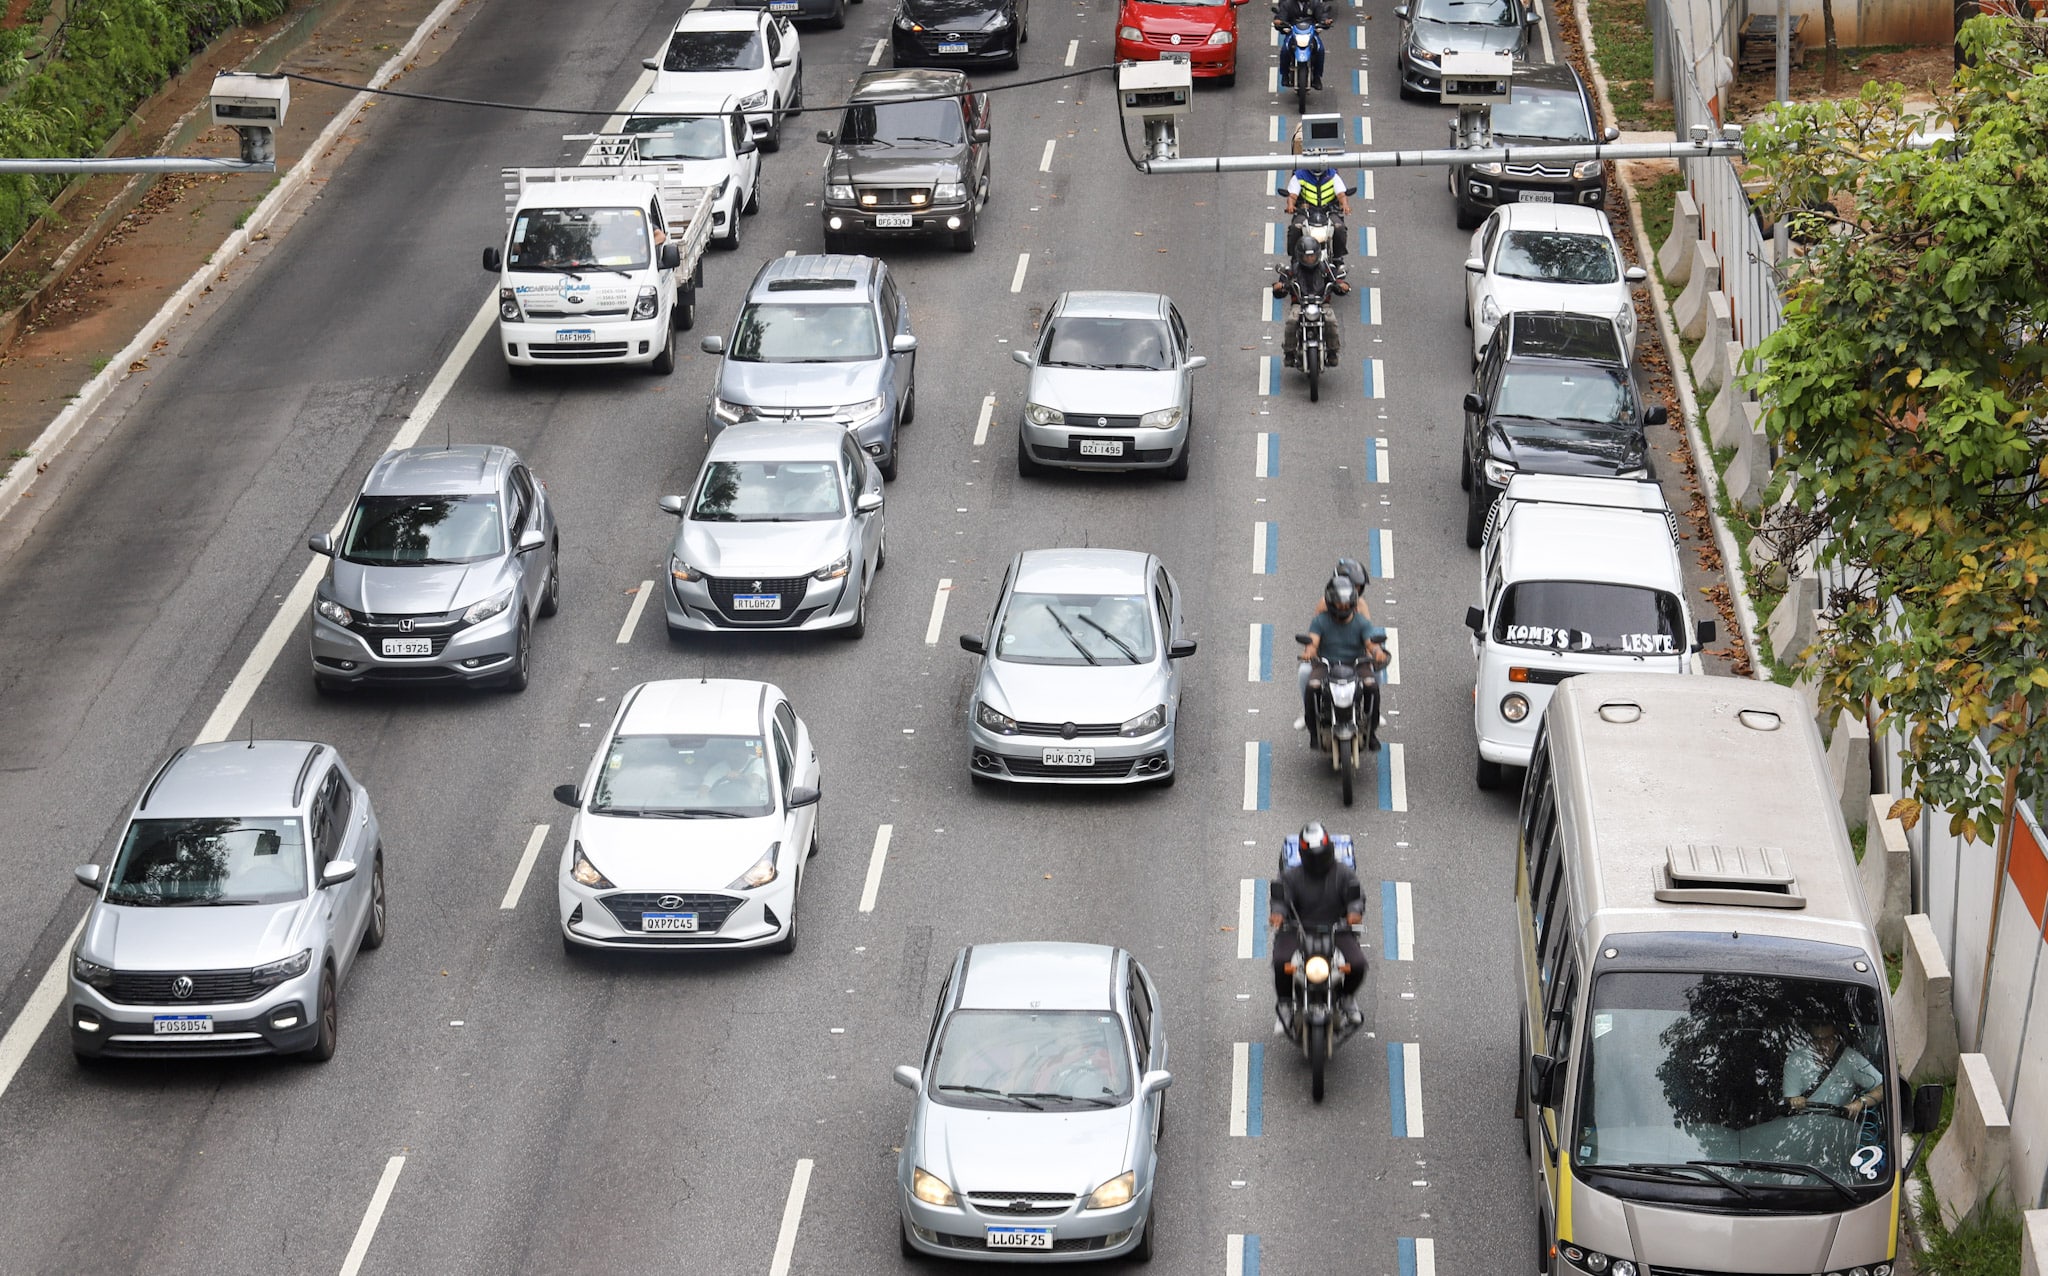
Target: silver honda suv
<point>250,876</point>
<point>447,560</point>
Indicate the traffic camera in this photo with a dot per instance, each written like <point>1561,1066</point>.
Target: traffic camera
<point>1475,81</point>
<point>1322,134</point>
<point>254,106</point>
<point>1156,95</point>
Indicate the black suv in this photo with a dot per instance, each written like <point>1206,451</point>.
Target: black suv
<point>1548,105</point>
<point>1552,396</point>
<point>907,167</point>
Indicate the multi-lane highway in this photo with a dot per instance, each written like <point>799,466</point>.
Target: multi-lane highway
<point>496,1108</point>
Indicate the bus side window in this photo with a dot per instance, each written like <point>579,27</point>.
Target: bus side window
<point>1558,1015</point>
<point>1545,869</point>
<point>1558,943</point>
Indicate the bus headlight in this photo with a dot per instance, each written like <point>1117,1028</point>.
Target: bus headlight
<point>1514,706</point>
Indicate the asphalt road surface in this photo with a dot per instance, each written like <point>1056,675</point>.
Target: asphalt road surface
<point>496,1108</point>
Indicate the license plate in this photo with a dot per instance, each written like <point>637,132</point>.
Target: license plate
<point>1102,447</point>
<point>408,647</point>
<point>782,6</point>
<point>892,221</point>
<point>572,336</point>
<point>757,602</point>
<point>1020,1238</point>
<point>1181,55</point>
<point>1537,197</point>
<point>956,46</point>
<point>668,921</point>
<point>1068,757</point>
<point>183,1025</point>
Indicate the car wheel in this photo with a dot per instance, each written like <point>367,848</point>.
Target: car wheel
<point>1227,80</point>
<point>1178,471</point>
<point>1487,775</point>
<point>882,550</point>
<point>1026,467</point>
<point>902,1228</point>
<point>1166,781</point>
<point>859,627</point>
<point>328,1019</point>
<point>677,635</point>
<point>888,467</point>
<point>1143,1253</point>
<point>1464,470</point>
<point>1476,507</point>
<point>753,204</point>
<point>787,944</point>
<point>835,243</point>
<point>91,1062</point>
<point>815,845</point>
<point>838,19</point>
<point>1468,219</point>
<point>520,371</point>
<point>1407,94</point>
<point>963,239</point>
<point>909,410</point>
<point>773,142</point>
<point>375,930</point>
<point>551,597</point>
<point>731,242</point>
<point>665,361</point>
<point>522,660</point>
<point>683,315</point>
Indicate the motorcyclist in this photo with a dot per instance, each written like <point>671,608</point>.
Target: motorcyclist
<point>1288,12</point>
<point>1312,276</point>
<point>1315,893</point>
<point>1342,633</point>
<point>1316,185</point>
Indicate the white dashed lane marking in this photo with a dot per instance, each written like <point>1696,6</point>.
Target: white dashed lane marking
<point>534,842</point>
<point>1045,161</point>
<point>988,411</point>
<point>875,58</point>
<point>633,610</point>
<point>876,859</point>
<point>1017,280</point>
<point>1073,49</point>
<point>792,1215</point>
<point>931,631</point>
<point>367,1231</point>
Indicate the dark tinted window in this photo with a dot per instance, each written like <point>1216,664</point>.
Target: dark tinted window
<point>936,120</point>
<point>171,863</point>
<point>715,51</point>
<point>1573,615</point>
<point>1087,341</point>
<point>423,529</point>
<point>1558,114</point>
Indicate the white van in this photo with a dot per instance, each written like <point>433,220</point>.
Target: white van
<point>1577,575</point>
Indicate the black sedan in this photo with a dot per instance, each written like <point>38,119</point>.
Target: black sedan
<point>959,33</point>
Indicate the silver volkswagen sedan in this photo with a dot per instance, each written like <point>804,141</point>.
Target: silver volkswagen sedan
<point>1109,387</point>
<point>782,531</point>
<point>1080,674</point>
<point>1040,1098</point>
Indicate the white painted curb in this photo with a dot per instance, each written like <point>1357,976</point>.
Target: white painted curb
<point>55,436</point>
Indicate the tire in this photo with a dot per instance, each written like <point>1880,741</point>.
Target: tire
<point>379,925</point>
<point>909,410</point>
<point>838,19</point>
<point>520,372</point>
<point>1467,218</point>
<point>665,362</point>
<point>1228,81</point>
<point>328,1017</point>
<point>1178,471</point>
<point>1476,507</point>
<point>815,846</point>
<point>1026,467</point>
<point>859,628</point>
<point>1464,470</point>
<point>1301,78</point>
<point>551,597</point>
<point>835,242</point>
<point>903,1244</point>
<point>753,204</point>
<point>963,240</point>
<point>1318,1055</point>
<point>1143,1252</point>
<point>731,242</point>
<point>522,661</point>
<point>888,467</point>
<point>677,637</point>
<point>684,315</point>
<point>882,550</point>
<point>1312,363</point>
<point>773,142</point>
<point>1166,781</point>
<point>1487,775</point>
<point>1347,766</point>
<point>1407,94</point>
<point>787,944</point>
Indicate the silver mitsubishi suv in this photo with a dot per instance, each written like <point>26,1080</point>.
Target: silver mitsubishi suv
<point>249,878</point>
<point>444,564</point>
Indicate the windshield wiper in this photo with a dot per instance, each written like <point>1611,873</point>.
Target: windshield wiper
<point>1066,1098</point>
<point>1092,367</point>
<point>1130,655</point>
<point>916,137</point>
<point>1785,1167</point>
<point>1071,637</point>
<point>986,1093</point>
<point>684,812</point>
<point>1690,1173</point>
<point>224,902</point>
<point>1131,367</point>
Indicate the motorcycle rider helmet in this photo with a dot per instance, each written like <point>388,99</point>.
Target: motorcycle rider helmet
<point>1311,256</point>
<point>1318,852</point>
<point>1355,570</point>
<point>1340,596</point>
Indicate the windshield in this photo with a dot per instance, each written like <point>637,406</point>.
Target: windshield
<point>1075,629</point>
<point>769,492</point>
<point>770,332</point>
<point>171,863</point>
<point>1551,114</point>
<point>892,122</point>
<point>1577,615</point>
<point>1032,1059</point>
<point>686,137</point>
<point>683,776</point>
<point>1771,1081</point>
<point>410,531</point>
<point>1556,257</point>
<point>1581,394</point>
<point>1491,13</point>
<point>566,239</point>
<point>715,51</point>
<point>1086,341</point>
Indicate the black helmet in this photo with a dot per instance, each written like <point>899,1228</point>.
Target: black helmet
<point>1310,254</point>
<point>1354,569</point>
<point>1318,852</point>
<point>1340,595</point>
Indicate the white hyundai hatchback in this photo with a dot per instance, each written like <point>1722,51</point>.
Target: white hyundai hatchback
<point>693,823</point>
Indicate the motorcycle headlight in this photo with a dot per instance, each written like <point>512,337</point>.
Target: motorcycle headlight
<point>1343,694</point>
<point>645,305</point>
<point>993,721</point>
<point>584,873</point>
<point>335,612</point>
<point>1118,1191</point>
<point>762,873</point>
<point>1302,39</point>
<point>1588,168</point>
<point>1514,706</point>
<point>1489,310</point>
<point>91,972</point>
<point>949,192</point>
<point>861,413</point>
<point>1039,414</point>
<point>508,306</point>
<point>271,974</point>
<point>839,192</point>
<point>1317,970</point>
<point>1147,722</point>
<point>1132,34</point>
<point>835,569</point>
<point>754,101</point>
<point>1498,472</point>
<point>680,570</point>
<point>930,1188</point>
<point>729,412</point>
<point>1220,37</point>
<point>1163,419</point>
<point>481,611</point>
<point>1489,169</point>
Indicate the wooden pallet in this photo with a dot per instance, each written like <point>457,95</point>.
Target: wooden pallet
<point>1757,43</point>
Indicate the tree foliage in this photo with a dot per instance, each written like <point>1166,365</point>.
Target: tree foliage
<point>1906,395</point>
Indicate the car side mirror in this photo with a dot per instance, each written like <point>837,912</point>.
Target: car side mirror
<point>1926,1115</point>
<point>803,795</point>
<point>867,502</point>
<point>1610,133</point>
<point>973,643</point>
<point>493,261</point>
<point>1153,1082</point>
<point>1635,274</point>
<point>784,59</point>
<point>649,64</point>
<point>532,539</point>
<point>566,795</point>
<point>1704,632</point>
<point>337,872</point>
<point>89,875</point>
<point>712,345</point>
<point>1180,648</point>
<point>671,505</point>
<point>1474,266</point>
<point>827,136</point>
<point>671,255</point>
<point>321,544</point>
<point>745,146</point>
<point>1401,12</point>
<point>908,1077</point>
<point>1021,356</point>
<point>1196,361</point>
<point>1474,404</point>
<point>1240,2</point>
<point>978,134</point>
<point>1530,17</point>
<point>1545,1079</point>
<point>1475,620</point>
<point>902,343</point>
<point>1656,414</point>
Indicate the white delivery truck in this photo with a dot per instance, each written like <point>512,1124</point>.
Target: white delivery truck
<point>1576,575</point>
<point>600,264</point>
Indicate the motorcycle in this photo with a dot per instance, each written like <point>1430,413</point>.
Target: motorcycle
<point>1301,41</point>
<point>1316,1023</point>
<point>1311,342</point>
<point>1316,226</point>
<point>1347,713</point>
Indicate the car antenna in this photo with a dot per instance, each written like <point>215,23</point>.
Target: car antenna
<point>252,731</point>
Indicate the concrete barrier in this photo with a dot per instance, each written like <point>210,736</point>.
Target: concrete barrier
<point>2034,1243</point>
<point>1724,414</point>
<point>1795,621</point>
<point>1674,259</point>
<point>1923,1008</point>
<point>1750,472</point>
<point>1849,767</point>
<point>1689,312</point>
<point>1887,872</point>
<point>1972,1165</point>
<point>1710,366</point>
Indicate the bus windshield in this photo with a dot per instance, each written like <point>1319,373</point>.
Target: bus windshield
<point>1767,1089</point>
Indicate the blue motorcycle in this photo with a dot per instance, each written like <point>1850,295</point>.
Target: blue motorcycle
<point>1300,49</point>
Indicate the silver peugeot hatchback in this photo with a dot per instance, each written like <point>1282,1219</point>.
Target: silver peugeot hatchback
<point>249,878</point>
<point>444,564</point>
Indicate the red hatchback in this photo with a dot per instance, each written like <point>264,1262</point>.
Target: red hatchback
<point>1206,30</point>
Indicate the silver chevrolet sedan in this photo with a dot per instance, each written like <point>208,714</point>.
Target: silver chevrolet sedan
<point>1035,1135</point>
<point>1080,671</point>
<point>1109,387</point>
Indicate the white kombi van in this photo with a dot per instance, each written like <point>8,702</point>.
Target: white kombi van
<point>583,276</point>
<point>1577,575</point>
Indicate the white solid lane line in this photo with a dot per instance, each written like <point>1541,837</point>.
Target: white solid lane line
<point>1073,48</point>
<point>1404,921</point>
<point>1045,161</point>
<point>875,58</point>
<point>367,1232</point>
<point>1240,1080</point>
<point>988,410</point>
<point>1017,280</point>
<point>1425,1256</point>
<point>792,1214</point>
<point>639,605</point>
<point>931,631</point>
<point>1411,1089</point>
<point>525,869</point>
<point>36,1011</point>
<point>1397,777</point>
<point>875,862</point>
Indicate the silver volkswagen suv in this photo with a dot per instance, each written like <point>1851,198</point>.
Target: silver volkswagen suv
<point>250,876</point>
<point>444,564</point>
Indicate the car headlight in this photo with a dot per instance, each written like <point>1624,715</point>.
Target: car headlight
<point>762,873</point>
<point>1219,37</point>
<point>91,972</point>
<point>1489,310</point>
<point>271,974</point>
<point>1498,472</point>
<point>835,569</point>
<point>1489,169</point>
<point>949,192</point>
<point>729,412</point>
<point>993,721</point>
<point>1118,1191</point>
<point>1163,419</point>
<point>997,21</point>
<point>1588,168</point>
<point>1132,34</point>
<point>1625,319</point>
<point>584,873</point>
<point>839,192</point>
<point>481,611</point>
<point>754,101</point>
<point>1635,472</point>
<point>1147,722</point>
<point>335,612</point>
<point>1430,56</point>
<point>1317,969</point>
<point>680,570</point>
<point>930,1188</point>
<point>861,413</point>
<point>508,306</point>
<point>1039,414</point>
<point>1514,706</point>
<point>646,303</point>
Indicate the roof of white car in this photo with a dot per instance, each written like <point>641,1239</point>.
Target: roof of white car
<point>719,20</point>
<point>231,779</point>
<point>1038,976</point>
<point>1113,305</point>
<point>778,441</point>
<point>1573,218</point>
<point>686,102</point>
<point>697,706</point>
<point>1621,545</point>
<point>1080,571</point>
